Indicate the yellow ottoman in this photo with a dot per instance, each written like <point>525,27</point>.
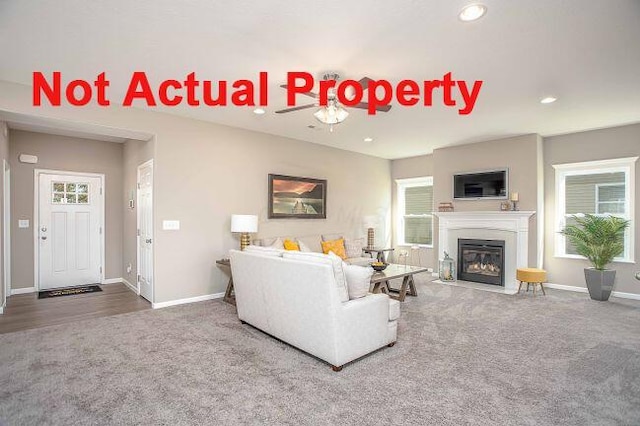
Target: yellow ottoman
<point>531,276</point>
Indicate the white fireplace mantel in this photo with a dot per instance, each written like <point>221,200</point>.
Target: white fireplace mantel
<point>516,222</point>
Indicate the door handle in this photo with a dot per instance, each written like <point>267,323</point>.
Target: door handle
<point>148,241</point>
<point>44,237</point>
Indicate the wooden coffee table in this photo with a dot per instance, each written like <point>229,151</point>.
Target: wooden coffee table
<point>380,280</point>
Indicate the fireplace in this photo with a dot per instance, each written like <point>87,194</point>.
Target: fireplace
<point>481,261</point>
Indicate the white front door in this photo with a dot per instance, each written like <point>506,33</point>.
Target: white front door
<point>145,230</point>
<point>69,230</point>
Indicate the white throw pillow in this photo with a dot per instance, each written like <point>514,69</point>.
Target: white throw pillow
<point>354,248</point>
<point>358,280</point>
<point>277,244</point>
<point>304,247</point>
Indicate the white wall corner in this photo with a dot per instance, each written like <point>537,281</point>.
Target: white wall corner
<point>540,217</point>
<point>131,287</point>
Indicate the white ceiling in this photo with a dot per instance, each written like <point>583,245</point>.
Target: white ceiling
<point>585,52</point>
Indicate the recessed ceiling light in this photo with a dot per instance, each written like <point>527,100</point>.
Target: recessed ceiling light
<point>259,111</point>
<point>368,139</point>
<point>548,100</point>
<point>472,11</point>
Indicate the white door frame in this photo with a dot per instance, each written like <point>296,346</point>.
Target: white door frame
<point>153,251</point>
<point>6,228</point>
<point>36,219</point>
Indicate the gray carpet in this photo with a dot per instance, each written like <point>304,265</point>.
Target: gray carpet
<point>463,357</point>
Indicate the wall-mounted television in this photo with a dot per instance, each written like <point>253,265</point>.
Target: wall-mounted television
<point>475,185</point>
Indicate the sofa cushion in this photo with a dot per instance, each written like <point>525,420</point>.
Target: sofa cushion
<point>334,246</point>
<point>277,244</point>
<point>291,245</point>
<point>358,280</point>
<point>266,251</point>
<point>331,259</point>
<point>394,309</point>
<point>353,247</point>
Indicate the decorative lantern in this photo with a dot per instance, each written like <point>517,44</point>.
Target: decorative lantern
<point>447,268</point>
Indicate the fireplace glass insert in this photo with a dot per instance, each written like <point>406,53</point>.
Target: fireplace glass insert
<point>481,261</point>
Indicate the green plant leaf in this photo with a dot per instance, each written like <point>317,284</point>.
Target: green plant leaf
<point>598,238</point>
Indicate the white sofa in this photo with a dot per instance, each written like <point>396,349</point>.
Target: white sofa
<point>301,303</point>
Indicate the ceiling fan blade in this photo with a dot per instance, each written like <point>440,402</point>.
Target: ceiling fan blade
<point>364,82</point>
<point>298,108</point>
<point>381,108</point>
<point>311,94</point>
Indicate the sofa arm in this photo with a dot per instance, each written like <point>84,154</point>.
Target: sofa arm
<point>362,327</point>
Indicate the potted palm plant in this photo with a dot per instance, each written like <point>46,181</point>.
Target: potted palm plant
<point>599,239</point>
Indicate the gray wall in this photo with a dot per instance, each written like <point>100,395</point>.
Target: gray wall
<point>615,142</point>
<point>205,172</point>
<point>69,154</point>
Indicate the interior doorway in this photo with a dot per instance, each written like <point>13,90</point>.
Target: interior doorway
<point>68,232</point>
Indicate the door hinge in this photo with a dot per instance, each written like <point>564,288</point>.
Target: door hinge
<point>101,230</point>
<point>138,232</point>
<point>138,185</point>
<point>101,269</point>
<point>138,277</point>
<point>100,190</point>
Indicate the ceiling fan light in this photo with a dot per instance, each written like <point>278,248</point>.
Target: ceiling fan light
<point>331,114</point>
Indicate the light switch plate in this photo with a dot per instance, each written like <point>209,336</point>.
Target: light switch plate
<point>171,225</point>
<point>23,223</point>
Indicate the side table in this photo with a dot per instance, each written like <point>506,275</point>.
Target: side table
<point>229,297</point>
<point>380,253</point>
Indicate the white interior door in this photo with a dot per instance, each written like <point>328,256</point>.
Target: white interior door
<point>6,227</point>
<point>145,230</point>
<point>69,230</point>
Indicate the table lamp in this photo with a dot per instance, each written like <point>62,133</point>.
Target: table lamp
<point>370,223</point>
<point>244,224</point>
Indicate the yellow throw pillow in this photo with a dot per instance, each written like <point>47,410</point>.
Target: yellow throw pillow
<point>336,246</point>
<point>291,245</point>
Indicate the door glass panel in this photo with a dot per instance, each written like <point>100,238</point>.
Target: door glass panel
<point>70,193</point>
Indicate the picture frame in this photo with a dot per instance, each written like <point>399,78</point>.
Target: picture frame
<point>292,197</point>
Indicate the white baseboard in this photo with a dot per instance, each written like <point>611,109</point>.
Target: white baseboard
<point>132,287</point>
<point>112,281</point>
<point>619,294</point>
<point>187,300</point>
<point>22,290</point>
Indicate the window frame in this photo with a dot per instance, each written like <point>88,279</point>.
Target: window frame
<point>402,185</point>
<point>562,171</point>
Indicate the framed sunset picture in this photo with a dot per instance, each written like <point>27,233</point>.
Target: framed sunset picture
<point>297,197</point>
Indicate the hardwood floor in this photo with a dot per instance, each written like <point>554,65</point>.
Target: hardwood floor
<point>26,311</point>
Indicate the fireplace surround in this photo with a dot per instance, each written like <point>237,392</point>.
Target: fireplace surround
<point>512,227</point>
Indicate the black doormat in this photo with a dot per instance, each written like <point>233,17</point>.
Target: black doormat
<point>69,291</point>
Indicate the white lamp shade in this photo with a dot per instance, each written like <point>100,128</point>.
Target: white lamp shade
<point>244,223</point>
<point>370,221</point>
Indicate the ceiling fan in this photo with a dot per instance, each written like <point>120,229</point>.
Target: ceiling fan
<point>333,112</point>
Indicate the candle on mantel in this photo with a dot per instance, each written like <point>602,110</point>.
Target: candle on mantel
<point>514,196</point>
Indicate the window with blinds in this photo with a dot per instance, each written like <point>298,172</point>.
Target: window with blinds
<point>595,187</point>
<point>415,211</point>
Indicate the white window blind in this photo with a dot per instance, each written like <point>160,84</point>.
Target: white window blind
<point>415,205</point>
